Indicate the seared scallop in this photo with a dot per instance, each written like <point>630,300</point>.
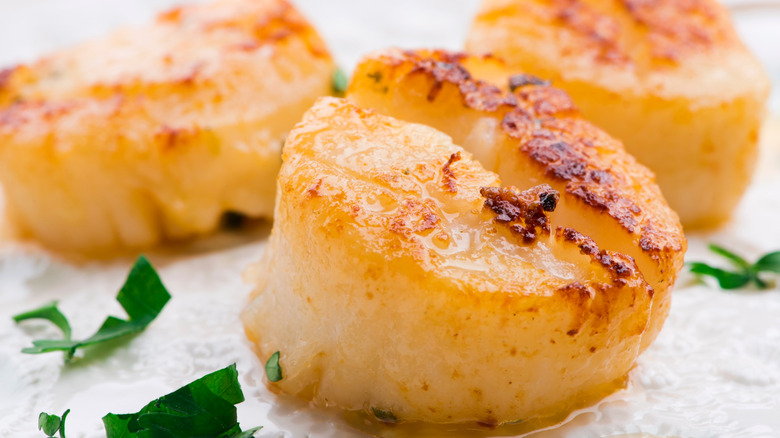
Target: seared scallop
<point>404,279</point>
<point>530,133</point>
<point>670,78</point>
<point>154,133</point>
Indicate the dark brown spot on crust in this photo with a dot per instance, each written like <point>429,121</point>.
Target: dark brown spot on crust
<point>448,176</point>
<point>524,79</point>
<point>649,238</point>
<point>549,201</point>
<point>375,76</point>
<point>434,91</point>
<point>525,213</point>
<point>561,160</point>
<point>442,71</point>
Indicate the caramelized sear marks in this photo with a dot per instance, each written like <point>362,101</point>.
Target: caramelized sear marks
<point>525,213</point>
<point>445,67</point>
<point>678,27</point>
<point>448,176</point>
<point>284,22</point>
<point>620,267</point>
<point>571,161</point>
<point>600,32</point>
<point>550,132</point>
<point>671,29</point>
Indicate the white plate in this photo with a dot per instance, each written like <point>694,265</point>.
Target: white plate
<point>714,371</point>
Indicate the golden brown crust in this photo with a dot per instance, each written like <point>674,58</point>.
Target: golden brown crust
<point>682,91</point>
<point>550,132</point>
<point>280,22</point>
<point>598,32</point>
<point>676,28</point>
<point>174,79</point>
<point>534,134</point>
<point>559,148</point>
<point>170,54</point>
<point>414,216</point>
<point>620,266</point>
<point>446,67</point>
<point>448,175</point>
<point>184,119</point>
<point>624,33</point>
<point>368,232</point>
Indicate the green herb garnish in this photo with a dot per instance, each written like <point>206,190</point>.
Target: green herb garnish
<point>383,415</point>
<point>272,368</point>
<point>745,272</point>
<point>49,312</point>
<point>203,408</point>
<point>51,424</point>
<point>340,82</point>
<point>142,296</point>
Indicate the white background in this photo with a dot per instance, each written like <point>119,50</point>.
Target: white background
<point>714,371</point>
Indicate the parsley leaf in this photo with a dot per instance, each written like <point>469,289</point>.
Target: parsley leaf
<point>745,272</point>
<point>51,424</point>
<point>142,296</point>
<point>205,407</point>
<point>726,279</point>
<point>340,82</point>
<point>768,263</point>
<point>272,368</point>
<point>736,260</point>
<point>48,312</point>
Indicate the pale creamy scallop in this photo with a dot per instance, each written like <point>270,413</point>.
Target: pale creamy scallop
<point>669,78</point>
<point>402,278</point>
<point>152,133</point>
<point>530,135</point>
